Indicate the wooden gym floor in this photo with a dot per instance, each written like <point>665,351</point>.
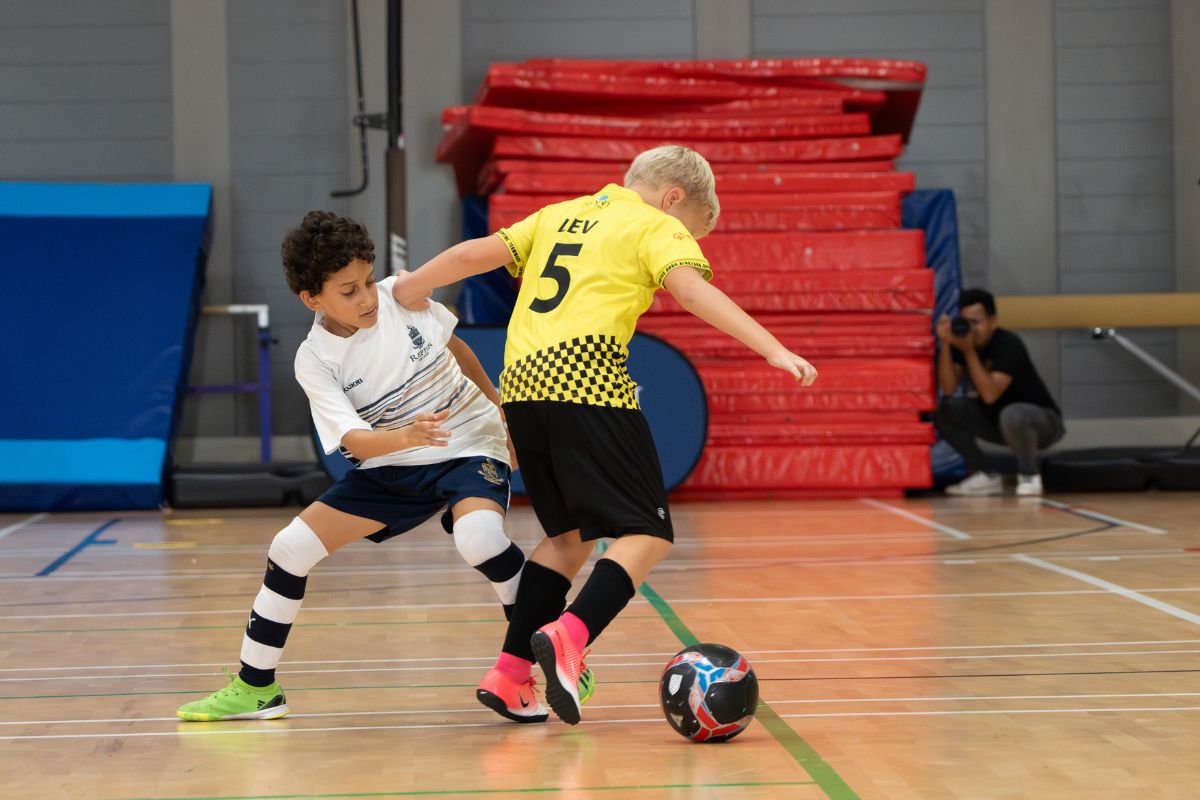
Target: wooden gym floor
<point>944,648</point>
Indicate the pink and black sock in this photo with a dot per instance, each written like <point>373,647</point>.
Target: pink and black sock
<point>607,591</point>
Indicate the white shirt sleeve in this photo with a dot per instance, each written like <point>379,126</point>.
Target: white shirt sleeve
<point>446,321</point>
<point>332,413</point>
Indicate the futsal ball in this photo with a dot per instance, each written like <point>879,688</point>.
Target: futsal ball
<point>708,693</point>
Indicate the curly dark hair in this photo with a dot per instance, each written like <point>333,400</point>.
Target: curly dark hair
<point>319,246</point>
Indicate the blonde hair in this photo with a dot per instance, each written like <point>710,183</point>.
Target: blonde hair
<point>676,165</point>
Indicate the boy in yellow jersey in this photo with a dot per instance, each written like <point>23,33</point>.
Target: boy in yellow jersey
<point>590,268</point>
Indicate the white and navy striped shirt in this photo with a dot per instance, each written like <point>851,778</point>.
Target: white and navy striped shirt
<point>382,377</point>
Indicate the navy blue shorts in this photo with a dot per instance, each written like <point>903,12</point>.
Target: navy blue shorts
<point>401,498</point>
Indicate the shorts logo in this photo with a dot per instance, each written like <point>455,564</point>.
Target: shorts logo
<point>490,473</point>
<point>662,514</point>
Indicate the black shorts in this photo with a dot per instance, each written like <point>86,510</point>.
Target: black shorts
<point>401,498</point>
<point>589,467</point>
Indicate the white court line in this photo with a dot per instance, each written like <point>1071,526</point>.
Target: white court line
<point>273,730</point>
<point>700,543</point>
<point>970,712</point>
<point>666,566</point>
<point>928,523</point>
<point>758,662</point>
<point>783,543</point>
<point>1096,515</point>
<point>1129,594</point>
<point>830,598</point>
<point>950,507</point>
<point>808,701</point>
<point>16,526</point>
<point>597,660</point>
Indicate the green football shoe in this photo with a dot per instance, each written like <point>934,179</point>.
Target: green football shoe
<point>587,685</point>
<point>238,700</point>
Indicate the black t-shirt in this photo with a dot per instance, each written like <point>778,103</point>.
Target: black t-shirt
<point>1006,353</point>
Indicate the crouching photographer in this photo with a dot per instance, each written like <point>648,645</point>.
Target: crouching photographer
<point>1005,402</point>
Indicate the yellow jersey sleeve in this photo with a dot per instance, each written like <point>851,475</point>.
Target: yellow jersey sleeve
<point>519,240</point>
<point>667,245</point>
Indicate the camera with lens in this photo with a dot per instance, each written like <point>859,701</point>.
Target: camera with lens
<point>960,326</point>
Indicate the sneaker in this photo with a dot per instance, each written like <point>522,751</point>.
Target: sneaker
<point>238,700</point>
<point>562,664</point>
<point>981,484</point>
<point>1029,486</point>
<point>516,701</point>
<point>587,686</point>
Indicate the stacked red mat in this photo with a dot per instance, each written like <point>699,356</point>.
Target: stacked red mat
<point>809,242</point>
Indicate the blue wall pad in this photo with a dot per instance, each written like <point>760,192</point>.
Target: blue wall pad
<point>104,282</point>
<point>670,392</point>
<point>935,212</point>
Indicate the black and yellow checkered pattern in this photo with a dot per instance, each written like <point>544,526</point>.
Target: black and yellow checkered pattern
<point>588,370</point>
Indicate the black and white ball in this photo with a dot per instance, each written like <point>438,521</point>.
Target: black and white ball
<point>708,693</point>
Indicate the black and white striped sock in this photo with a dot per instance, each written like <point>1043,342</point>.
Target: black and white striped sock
<point>293,553</point>
<point>481,541</point>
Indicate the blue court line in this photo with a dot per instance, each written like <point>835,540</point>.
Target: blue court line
<point>88,541</point>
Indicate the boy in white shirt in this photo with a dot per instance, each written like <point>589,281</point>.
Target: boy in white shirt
<point>409,403</point>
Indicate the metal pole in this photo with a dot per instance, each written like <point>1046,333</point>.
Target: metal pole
<point>1153,363</point>
<point>264,394</point>
<point>396,201</point>
<point>262,314</point>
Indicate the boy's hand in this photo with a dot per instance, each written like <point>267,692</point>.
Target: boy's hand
<point>791,363</point>
<point>426,431</point>
<point>408,293</point>
<point>947,335</point>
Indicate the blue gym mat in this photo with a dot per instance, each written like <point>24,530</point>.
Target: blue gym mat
<point>104,288</point>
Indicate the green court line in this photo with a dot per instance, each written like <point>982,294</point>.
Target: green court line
<point>129,629</point>
<point>532,790</point>
<point>821,772</point>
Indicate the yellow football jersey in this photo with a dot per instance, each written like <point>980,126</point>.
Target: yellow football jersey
<point>590,267</point>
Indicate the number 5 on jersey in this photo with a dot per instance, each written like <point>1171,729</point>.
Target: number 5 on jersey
<point>557,273</point>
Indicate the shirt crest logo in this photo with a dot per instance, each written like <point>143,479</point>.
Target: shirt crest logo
<point>417,339</point>
<point>601,201</point>
<point>490,473</point>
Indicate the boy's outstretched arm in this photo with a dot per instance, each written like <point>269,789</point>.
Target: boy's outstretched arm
<point>714,307</point>
<point>463,260</point>
<point>468,362</point>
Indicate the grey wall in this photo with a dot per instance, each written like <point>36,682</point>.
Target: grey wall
<point>1185,77</point>
<point>1115,190</point>
<point>1115,181</point>
<point>86,93</point>
<point>513,30</point>
<point>288,132</point>
<point>85,90</point>
<point>947,149</point>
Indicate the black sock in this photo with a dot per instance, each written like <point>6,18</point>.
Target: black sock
<point>607,591</point>
<point>541,597</point>
<point>256,677</point>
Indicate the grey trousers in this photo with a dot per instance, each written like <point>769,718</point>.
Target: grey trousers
<point>1023,427</point>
